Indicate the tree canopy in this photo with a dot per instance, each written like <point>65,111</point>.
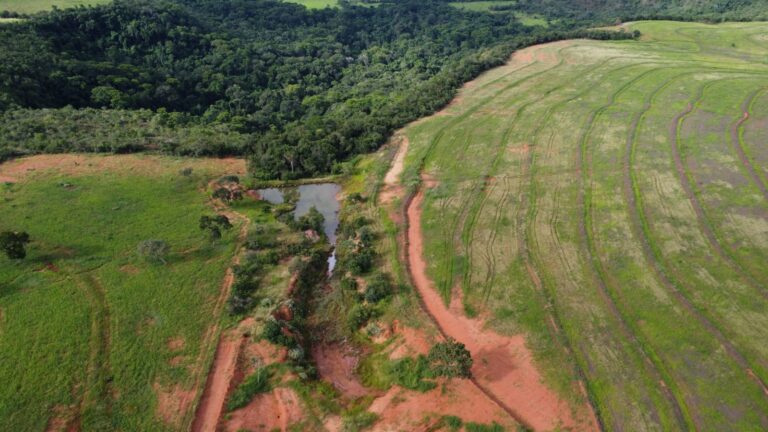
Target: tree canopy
<point>296,90</point>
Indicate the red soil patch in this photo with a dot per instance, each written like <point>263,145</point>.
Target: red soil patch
<point>212,403</point>
<point>404,410</point>
<point>63,418</point>
<point>129,269</point>
<point>276,410</point>
<point>503,365</point>
<point>76,164</point>
<point>50,267</point>
<point>176,344</point>
<point>414,342</point>
<point>172,403</point>
<point>336,363</point>
<point>392,188</point>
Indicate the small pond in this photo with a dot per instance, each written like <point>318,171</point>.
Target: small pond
<point>323,197</point>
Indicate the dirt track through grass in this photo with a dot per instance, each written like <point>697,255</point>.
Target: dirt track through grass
<point>589,207</point>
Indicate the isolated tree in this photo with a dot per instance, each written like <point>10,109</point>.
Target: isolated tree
<point>153,250</point>
<point>13,244</point>
<point>228,195</point>
<point>450,359</point>
<point>214,224</point>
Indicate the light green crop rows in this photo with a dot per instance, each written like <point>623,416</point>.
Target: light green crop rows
<point>617,190</point>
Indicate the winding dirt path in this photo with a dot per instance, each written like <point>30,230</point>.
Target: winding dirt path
<point>211,404</point>
<point>503,369</point>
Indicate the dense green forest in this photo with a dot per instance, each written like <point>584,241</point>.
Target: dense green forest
<point>296,90</point>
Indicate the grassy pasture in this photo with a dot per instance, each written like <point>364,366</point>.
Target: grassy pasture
<point>90,334</point>
<point>485,6</point>
<point>316,4</point>
<point>616,189</point>
<point>32,6</point>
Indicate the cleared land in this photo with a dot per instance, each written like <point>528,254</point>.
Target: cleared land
<point>316,4</point>
<point>608,201</point>
<point>92,337</point>
<point>485,6</point>
<point>32,6</point>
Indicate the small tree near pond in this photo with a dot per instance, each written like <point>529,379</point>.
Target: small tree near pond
<point>13,244</point>
<point>153,250</point>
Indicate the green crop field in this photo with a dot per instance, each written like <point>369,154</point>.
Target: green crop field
<point>32,6</point>
<point>91,335</point>
<point>609,200</point>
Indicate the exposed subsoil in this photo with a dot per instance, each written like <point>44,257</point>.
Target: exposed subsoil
<point>211,405</point>
<point>503,367</point>
<point>392,189</point>
<point>336,363</point>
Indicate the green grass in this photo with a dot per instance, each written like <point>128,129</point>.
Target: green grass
<point>256,383</point>
<point>316,4</point>
<point>609,188</point>
<point>485,6</point>
<point>87,328</point>
<point>32,6</point>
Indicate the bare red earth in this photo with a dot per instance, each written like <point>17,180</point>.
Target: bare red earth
<point>503,364</point>
<point>216,389</point>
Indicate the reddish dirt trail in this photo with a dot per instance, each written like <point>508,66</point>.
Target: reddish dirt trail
<point>212,403</point>
<point>392,189</point>
<point>503,367</point>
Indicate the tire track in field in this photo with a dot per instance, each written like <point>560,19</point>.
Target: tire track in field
<point>688,182</point>
<point>529,244</point>
<point>446,286</point>
<point>96,404</point>
<point>652,360</point>
<point>654,258</point>
<point>673,286</point>
<point>408,202</point>
<point>737,141</point>
<point>476,209</point>
<point>631,196</point>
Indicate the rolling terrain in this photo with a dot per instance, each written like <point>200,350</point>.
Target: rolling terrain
<point>608,201</point>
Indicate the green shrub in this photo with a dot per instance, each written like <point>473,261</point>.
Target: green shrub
<point>349,284</point>
<point>478,427</point>
<point>359,315</point>
<point>450,359</point>
<point>360,262</point>
<point>256,383</point>
<point>454,423</point>
<point>411,373</point>
<point>379,288</point>
<point>357,419</point>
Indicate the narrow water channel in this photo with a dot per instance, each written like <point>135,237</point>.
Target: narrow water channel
<point>324,197</point>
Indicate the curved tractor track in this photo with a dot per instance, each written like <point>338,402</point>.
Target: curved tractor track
<point>560,197</point>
